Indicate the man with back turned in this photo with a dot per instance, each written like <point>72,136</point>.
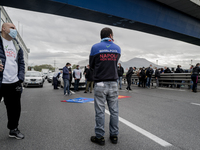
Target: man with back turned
<point>104,57</point>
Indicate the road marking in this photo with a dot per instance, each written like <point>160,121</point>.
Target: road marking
<point>195,104</point>
<point>144,132</point>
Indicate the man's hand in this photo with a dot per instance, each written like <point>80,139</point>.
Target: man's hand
<point>70,72</point>
<point>1,67</point>
<point>156,77</point>
<point>75,78</point>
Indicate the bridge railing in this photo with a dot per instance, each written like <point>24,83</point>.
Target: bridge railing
<point>172,79</point>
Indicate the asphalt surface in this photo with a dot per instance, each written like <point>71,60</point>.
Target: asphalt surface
<point>49,124</point>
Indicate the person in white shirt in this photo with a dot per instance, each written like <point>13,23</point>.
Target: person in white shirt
<point>77,74</point>
<point>12,70</point>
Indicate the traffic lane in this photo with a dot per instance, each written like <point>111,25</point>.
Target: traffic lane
<point>174,120</point>
<point>50,124</point>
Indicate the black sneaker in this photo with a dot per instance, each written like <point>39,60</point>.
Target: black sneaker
<point>16,134</point>
<point>100,141</point>
<point>85,92</point>
<point>114,139</point>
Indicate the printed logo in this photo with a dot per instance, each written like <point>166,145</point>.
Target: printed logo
<point>6,47</point>
<point>108,57</point>
<point>108,46</point>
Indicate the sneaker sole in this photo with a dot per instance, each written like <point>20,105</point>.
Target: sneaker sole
<point>12,136</point>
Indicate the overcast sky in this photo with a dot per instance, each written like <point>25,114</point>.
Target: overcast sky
<point>63,39</point>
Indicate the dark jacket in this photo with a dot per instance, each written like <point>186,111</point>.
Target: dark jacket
<point>89,75</point>
<point>196,70</point>
<point>85,70</point>
<point>157,73</point>
<point>167,70</point>
<point>120,71</point>
<point>70,75</point>
<point>179,70</point>
<point>129,73</point>
<point>19,60</point>
<point>149,72</point>
<point>104,57</point>
<point>66,73</point>
<point>143,74</point>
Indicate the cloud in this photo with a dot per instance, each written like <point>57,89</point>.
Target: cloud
<point>54,38</point>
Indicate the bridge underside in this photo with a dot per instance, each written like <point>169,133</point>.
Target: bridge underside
<point>142,15</point>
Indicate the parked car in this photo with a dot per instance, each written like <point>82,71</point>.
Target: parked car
<point>33,78</point>
<point>50,77</point>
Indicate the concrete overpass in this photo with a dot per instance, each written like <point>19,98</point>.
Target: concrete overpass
<point>175,19</point>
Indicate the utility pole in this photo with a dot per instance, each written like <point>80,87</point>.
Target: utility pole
<point>54,63</point>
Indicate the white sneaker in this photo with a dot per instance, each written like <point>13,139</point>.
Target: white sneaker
<point>2,100</point>
<point>66,94</point>
<point>72,92</point>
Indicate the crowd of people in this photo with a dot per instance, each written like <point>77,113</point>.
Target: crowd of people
<point>145,75</point>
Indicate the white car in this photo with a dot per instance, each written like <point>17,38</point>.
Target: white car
<point>33,78</point>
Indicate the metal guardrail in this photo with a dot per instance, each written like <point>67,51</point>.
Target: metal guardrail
<point>173,79</point>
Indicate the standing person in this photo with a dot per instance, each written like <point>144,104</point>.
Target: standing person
<point>149,74</point>
<point>86,68</point>
<point>139,77</point>
<point>143,77</point>
<point>103,60</point>
<point>90,79</point>
<point>190,71</point>
<point>70,75</point>
<point>55,80</point>
<point>120,70</point>
<point>77,74</point>
<point>66,78</point>
<point>12,70</point>
<point>179,70</point>
<point>128,77</point>
<point>194,77</point>
<point>157,76</point>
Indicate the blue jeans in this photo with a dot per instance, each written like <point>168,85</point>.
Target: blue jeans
<point>102,93</point>
<point>66,86</point>
<point>76,83</point>
<point>148,81</point>
<point>191,86</point>
<point>120,82</point>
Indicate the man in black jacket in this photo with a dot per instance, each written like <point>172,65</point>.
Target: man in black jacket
<point>12,70</point>
<point>149,74</point>
<point>167,70</point>
<point>128,77</point>
<point>120,70</point>
<point>157,76</point>
<point>90,79</point>
<point>194,77</point>
<point>179,70</point>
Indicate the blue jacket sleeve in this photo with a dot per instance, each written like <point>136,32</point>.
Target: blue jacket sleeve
<point>65,71</point>
<point>21,65</point>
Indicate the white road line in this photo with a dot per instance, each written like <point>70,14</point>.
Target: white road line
<point>195,104</point>
<point>144,132</point>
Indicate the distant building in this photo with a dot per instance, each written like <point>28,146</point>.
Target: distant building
<point>5,18</point>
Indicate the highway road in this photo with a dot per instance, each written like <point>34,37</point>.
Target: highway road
<point>151,119</point>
